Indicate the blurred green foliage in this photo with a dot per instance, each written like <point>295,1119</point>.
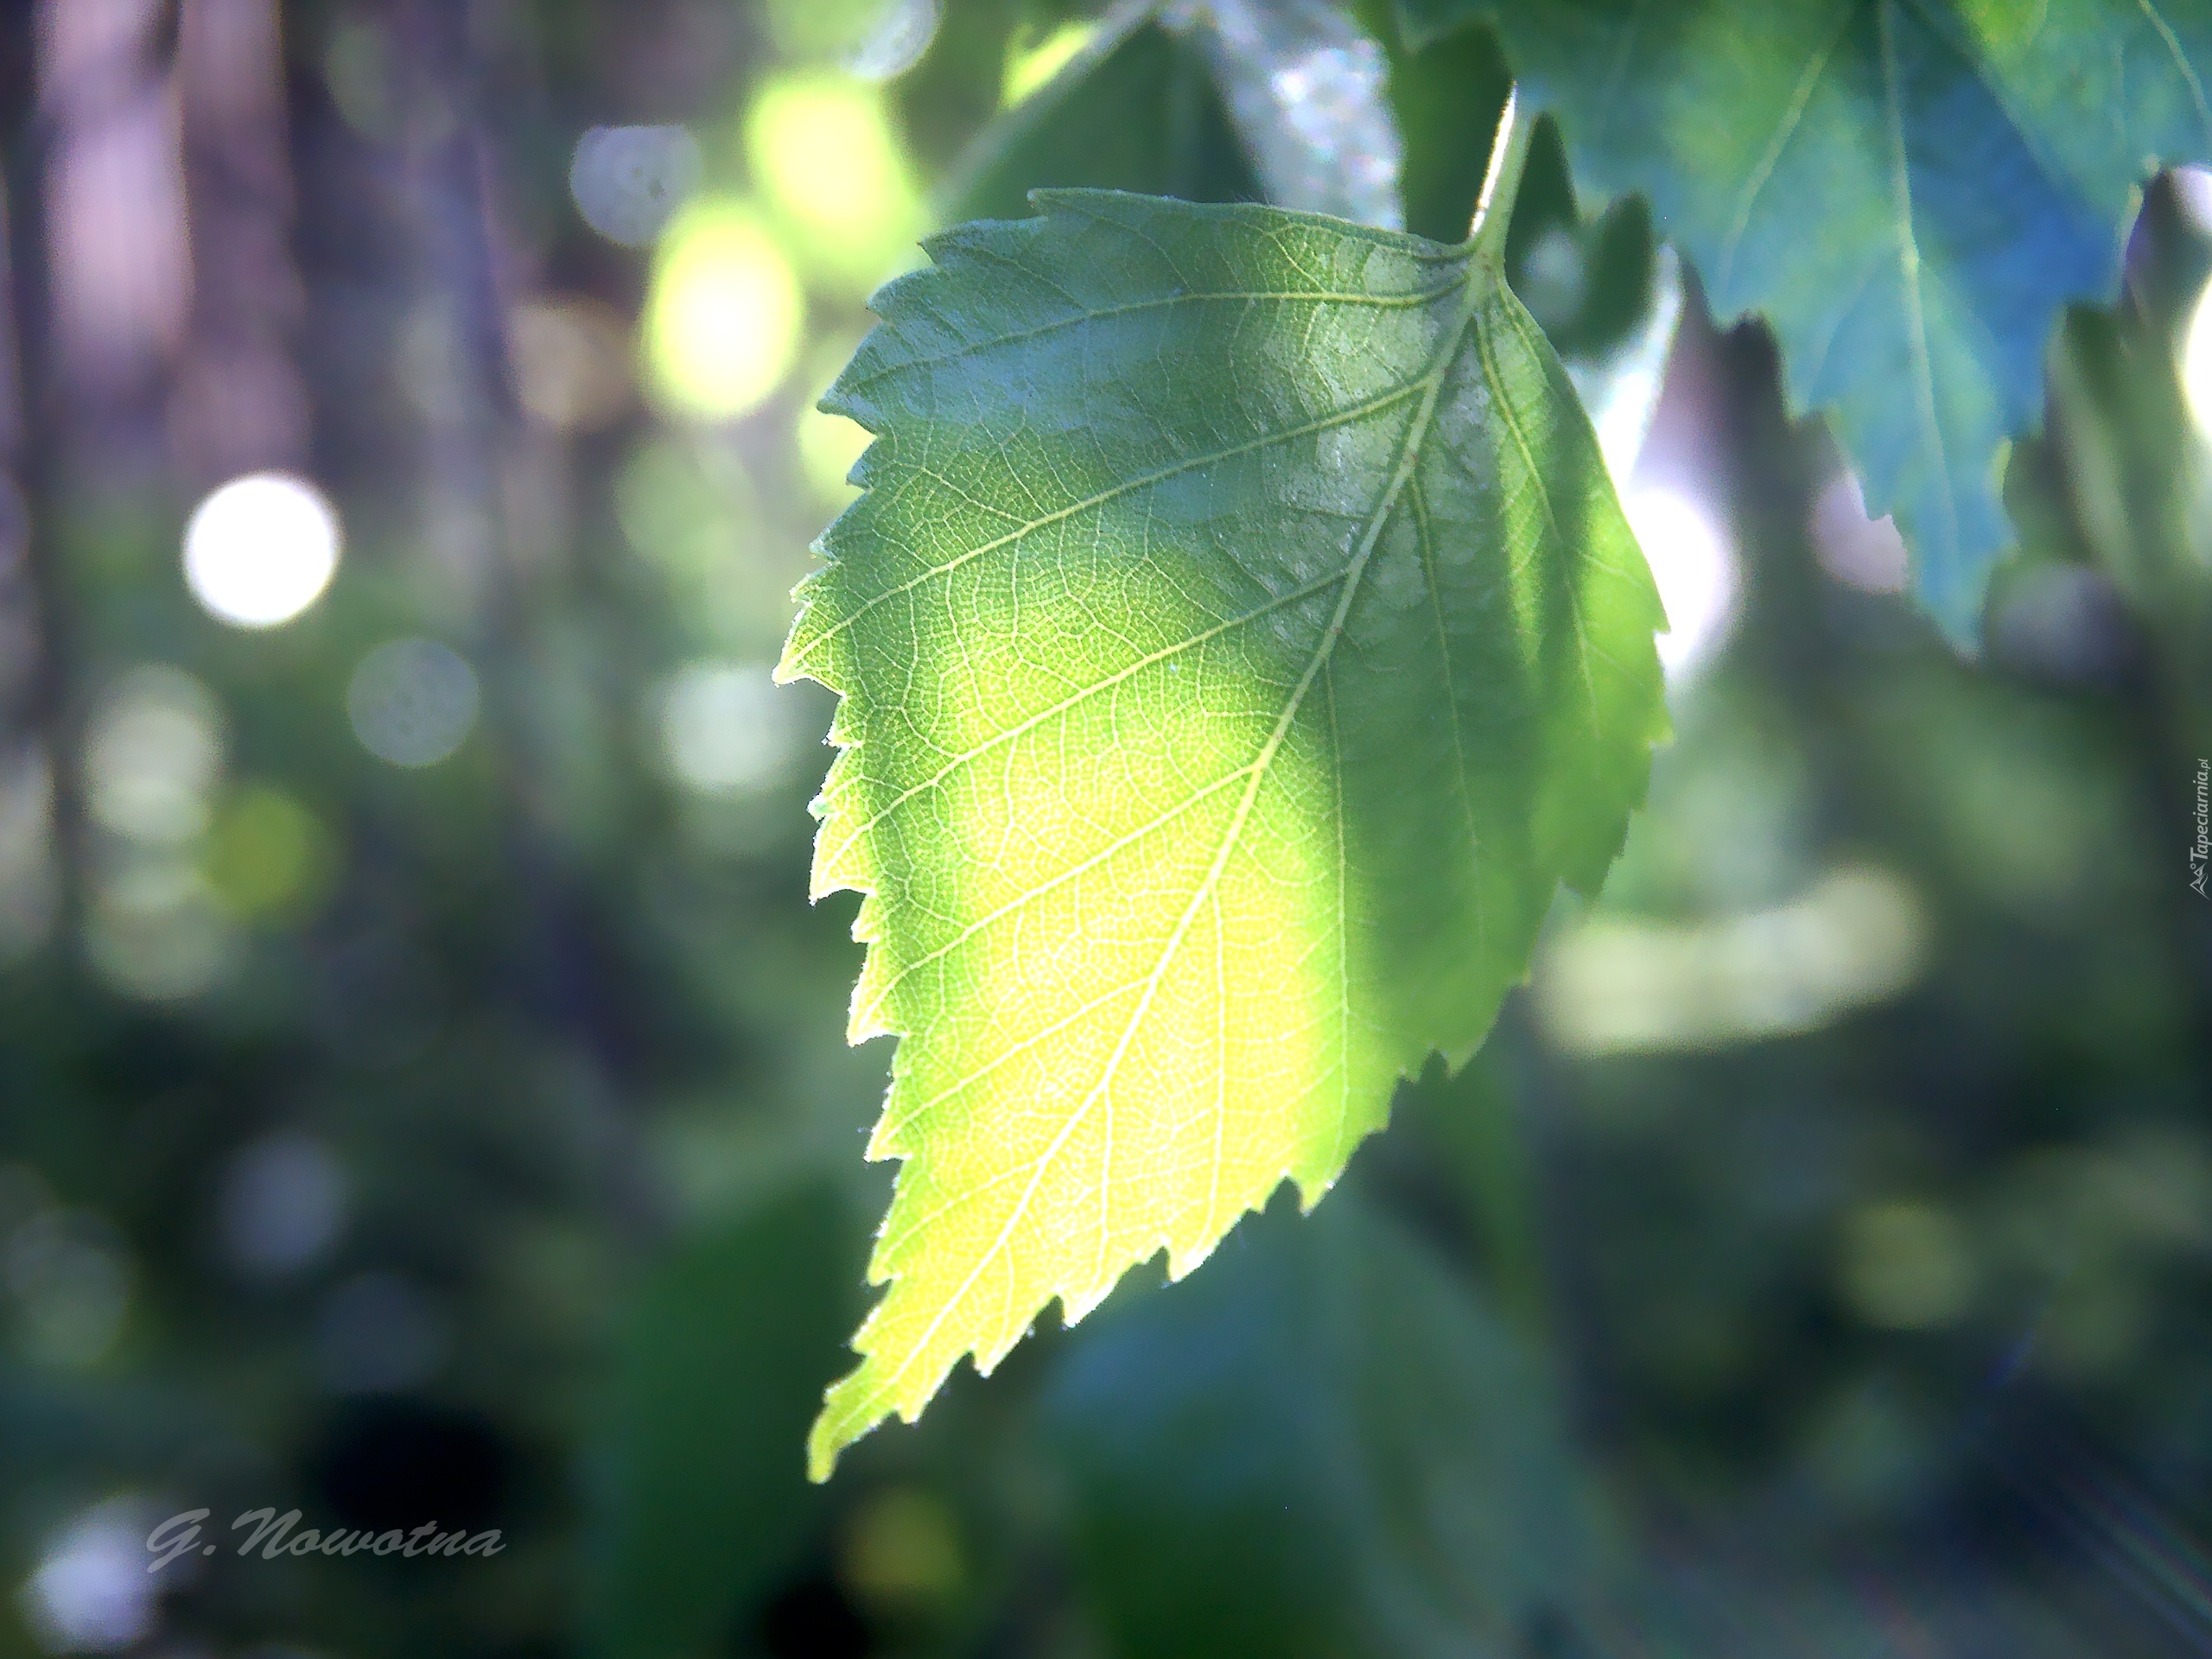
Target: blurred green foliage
<point>478,1142</point>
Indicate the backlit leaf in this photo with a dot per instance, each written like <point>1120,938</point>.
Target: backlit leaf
<point>1239,640</point>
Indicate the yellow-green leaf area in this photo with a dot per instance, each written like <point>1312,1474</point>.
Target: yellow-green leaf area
<point>1239,641</point>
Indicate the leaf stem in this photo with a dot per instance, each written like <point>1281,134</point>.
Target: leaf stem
<point>1509,154</point>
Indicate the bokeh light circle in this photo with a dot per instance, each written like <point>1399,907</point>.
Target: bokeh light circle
<point>830,163</point>
<point>412,701</point>
<point>726,728</point>
<point>154,757</point>
<point>261,549</point>
<point>629,182</point>
<point>724,314</point>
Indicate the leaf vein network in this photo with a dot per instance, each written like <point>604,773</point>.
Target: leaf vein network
<point>1335,418</point>
<point>1429,386</point>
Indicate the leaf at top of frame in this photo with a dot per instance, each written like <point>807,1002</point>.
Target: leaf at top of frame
<point>1910,190</point>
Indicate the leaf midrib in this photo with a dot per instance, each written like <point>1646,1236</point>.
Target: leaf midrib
<point>1923,367</point>
<point>1801,98</point>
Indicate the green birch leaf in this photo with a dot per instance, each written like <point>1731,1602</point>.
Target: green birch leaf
<point>1239,641</point>
<point>1910,190</point>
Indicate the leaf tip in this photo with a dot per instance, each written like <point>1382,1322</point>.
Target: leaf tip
<point>858,1403</point>
<point>827,1440</point>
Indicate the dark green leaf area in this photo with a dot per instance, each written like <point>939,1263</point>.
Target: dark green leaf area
<point>1325,1443</point>
<point>702,1493</point>
<point>1910,192</point>
<point>1146,117</point>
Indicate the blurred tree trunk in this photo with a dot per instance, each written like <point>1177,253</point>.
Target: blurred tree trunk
<point>453,356</point>
<point>493,531</point>
<point>239,404</point>
<point>28,879</point>
<point>119,276</point>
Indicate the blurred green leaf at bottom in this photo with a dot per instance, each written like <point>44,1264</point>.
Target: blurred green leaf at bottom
<point>701,1496</point>
<point>1324,1444</point>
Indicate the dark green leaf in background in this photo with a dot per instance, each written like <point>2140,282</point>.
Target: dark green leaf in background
<point>1325,1444</point>
<point>1910,192</point>
<point>702,1495</point>
<point>1137,111</point>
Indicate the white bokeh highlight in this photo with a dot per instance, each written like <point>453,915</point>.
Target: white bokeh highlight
<point>89,1592</point>
<point>153,756</point>
<point>895,40</point>
<point>284,1204</point>
<point>628,181</point>
<point>261,549</point>
<point>2197,362</point>
<point>727,729</point>
<point>1694,567</point>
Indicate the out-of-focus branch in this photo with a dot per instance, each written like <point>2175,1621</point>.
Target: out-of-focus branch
<point>237,404</point>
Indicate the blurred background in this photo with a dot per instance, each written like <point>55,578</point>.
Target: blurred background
<point>423,1091</point>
